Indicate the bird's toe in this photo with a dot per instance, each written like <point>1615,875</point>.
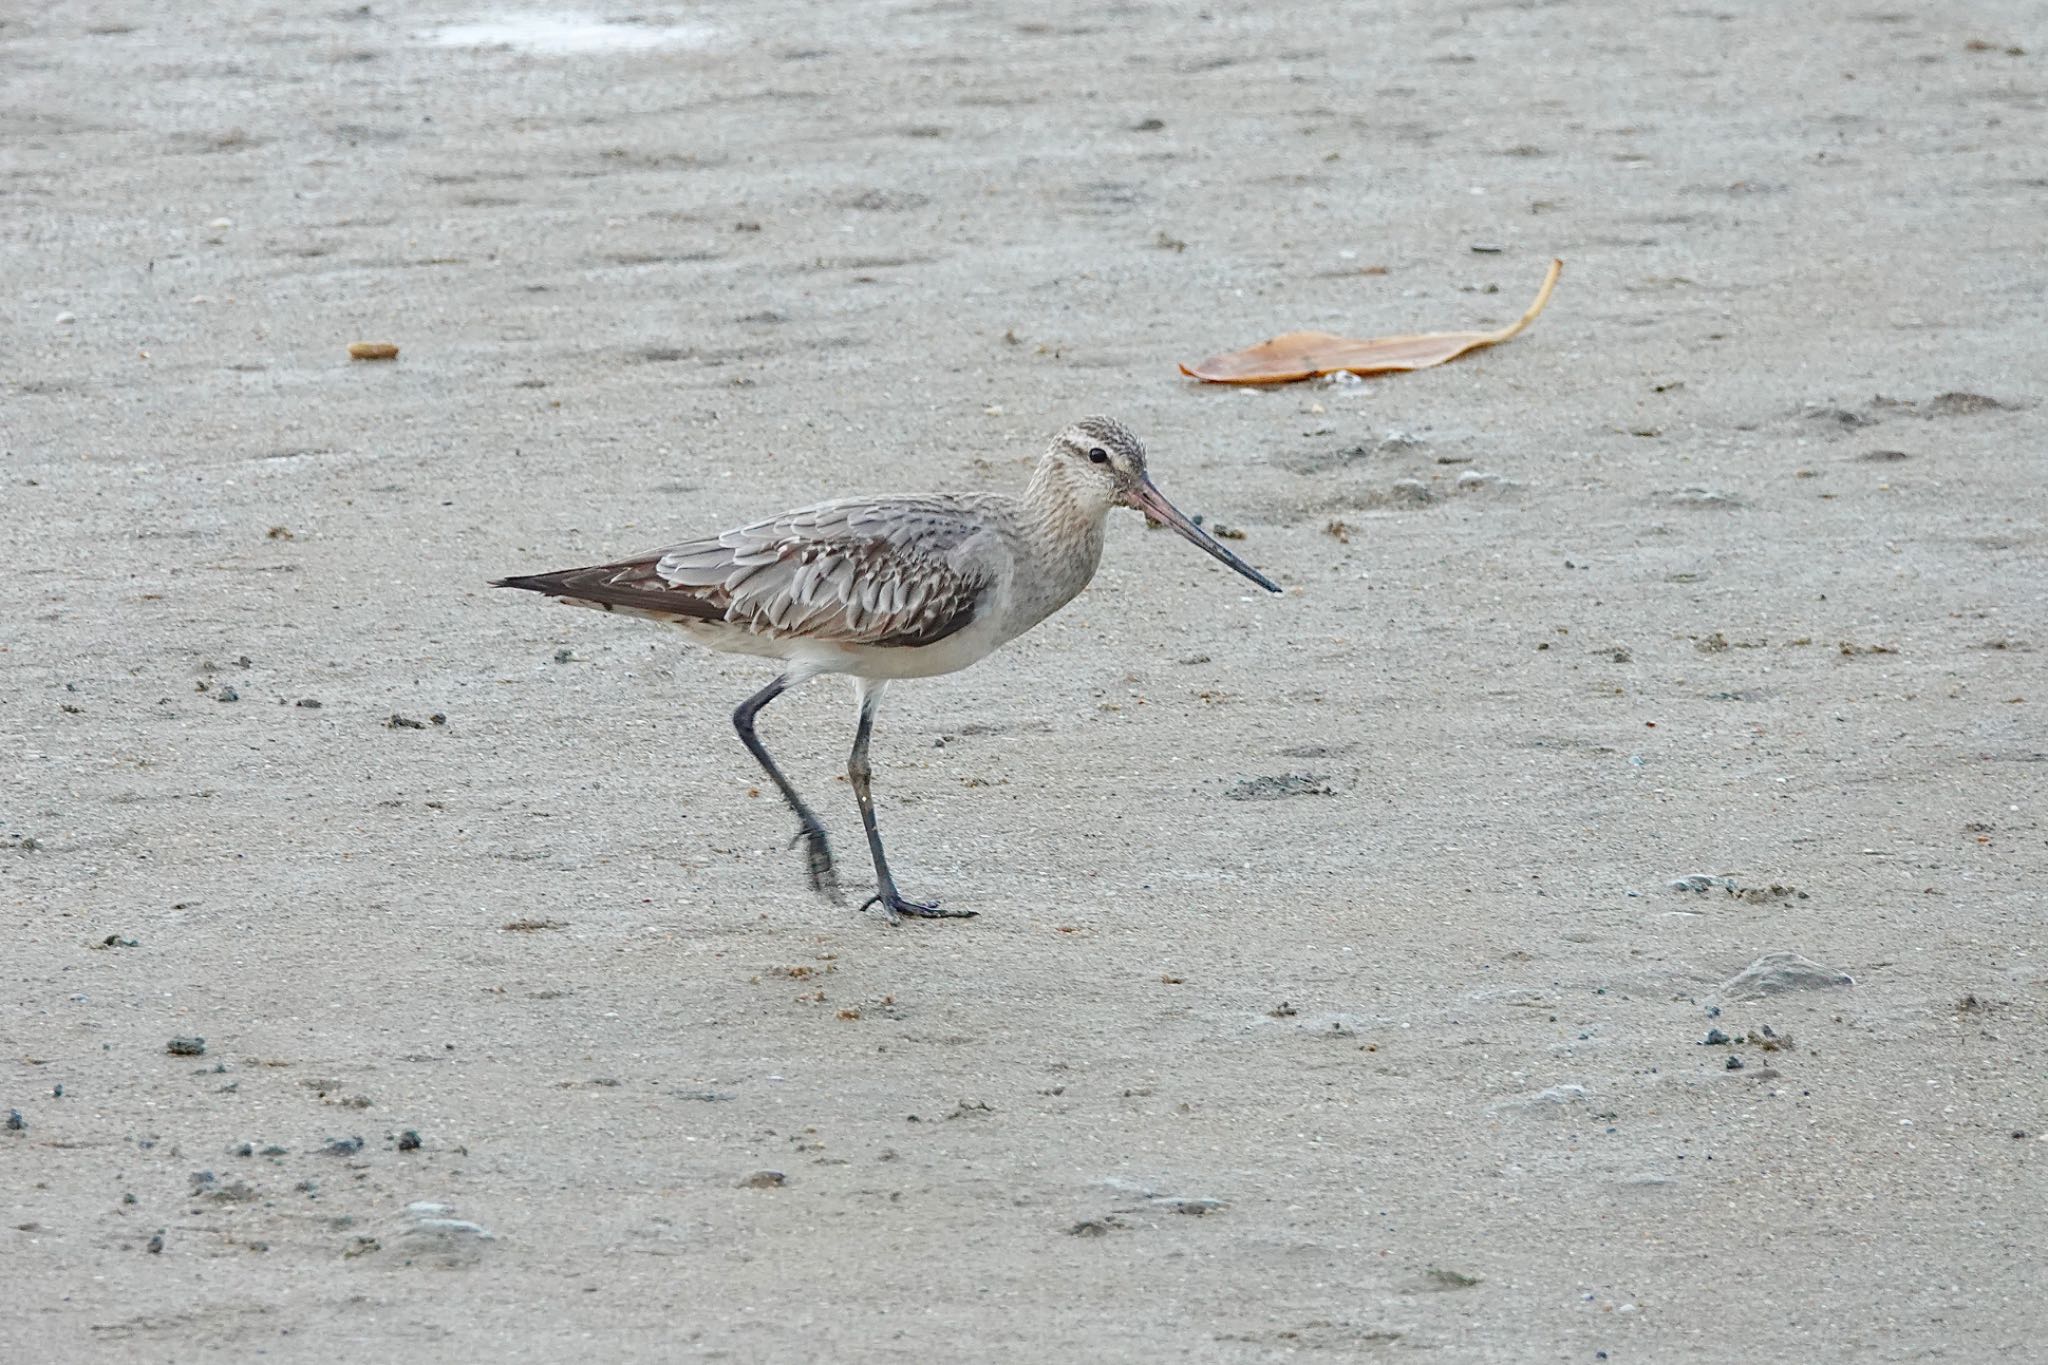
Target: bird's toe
<point>933,910</point>
<point>895,907</point>
<point>818,862</point>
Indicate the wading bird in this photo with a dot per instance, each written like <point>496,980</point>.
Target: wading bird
<point>886,588</point>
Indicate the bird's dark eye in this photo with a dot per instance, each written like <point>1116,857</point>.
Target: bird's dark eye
<point>1099,455</point>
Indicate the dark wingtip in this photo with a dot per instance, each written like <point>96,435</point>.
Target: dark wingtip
<point>530,582</point>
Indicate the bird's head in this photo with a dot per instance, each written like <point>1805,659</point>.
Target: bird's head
<point>1105,466</point>
<point>1103,460</point>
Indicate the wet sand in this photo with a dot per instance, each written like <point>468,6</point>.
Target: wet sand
<point>1349,963</point>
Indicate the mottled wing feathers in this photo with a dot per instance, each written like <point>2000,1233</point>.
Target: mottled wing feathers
<point>895,572</point>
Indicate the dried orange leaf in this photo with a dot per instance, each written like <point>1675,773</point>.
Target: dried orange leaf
<point>372,350</point>
<point>1305,355</point>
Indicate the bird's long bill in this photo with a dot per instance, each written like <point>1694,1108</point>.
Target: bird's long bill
<point>1149,500</point>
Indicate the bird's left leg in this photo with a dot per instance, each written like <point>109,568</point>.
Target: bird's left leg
<point>810,831</point>
<point>858,772</point>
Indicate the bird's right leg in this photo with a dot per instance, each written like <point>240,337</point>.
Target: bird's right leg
<point>860,773</point>
<point>810,832</point>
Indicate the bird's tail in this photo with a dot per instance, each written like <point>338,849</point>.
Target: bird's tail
<point>632,584</point>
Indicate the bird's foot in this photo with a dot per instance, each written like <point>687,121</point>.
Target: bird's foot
<point>895,907</point>
<point>818,861</point>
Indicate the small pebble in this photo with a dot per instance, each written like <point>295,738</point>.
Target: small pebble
<point>432,1232</point>
<point>1194,1207</point>
<point>1279,786</point>
<point>156,1244</point>
<point>186,1047</point>
<point>1734,1063</point>
<point>1714,1038</point>
<point>764,1180</point>
<point>64,319</point>
<point>409,1141</point>
<point>15,1122</point>
<point>309,703</point>
<point>347,1146</point>
<point>1781,972</point>
<point>227,694</point>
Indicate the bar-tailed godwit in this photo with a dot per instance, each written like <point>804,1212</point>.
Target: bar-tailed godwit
<point>886,588</point>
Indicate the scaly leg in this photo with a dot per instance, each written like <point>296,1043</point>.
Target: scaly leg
<point>858,772</point>
<point>811,832</point>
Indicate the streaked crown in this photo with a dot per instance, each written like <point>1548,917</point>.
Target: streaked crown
<point>1083,438</point>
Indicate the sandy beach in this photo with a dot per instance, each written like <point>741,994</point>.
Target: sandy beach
<point>1594,913</point>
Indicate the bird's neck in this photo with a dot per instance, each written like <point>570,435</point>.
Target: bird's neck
<point>1063,510</point>
<point>1063,527</point>
<point>1060,502</point>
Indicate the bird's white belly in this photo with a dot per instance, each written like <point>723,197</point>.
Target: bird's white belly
<point>949,655</point>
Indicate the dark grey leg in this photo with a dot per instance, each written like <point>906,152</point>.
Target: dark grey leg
<point>858,772</point>
<point>811,832</point>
